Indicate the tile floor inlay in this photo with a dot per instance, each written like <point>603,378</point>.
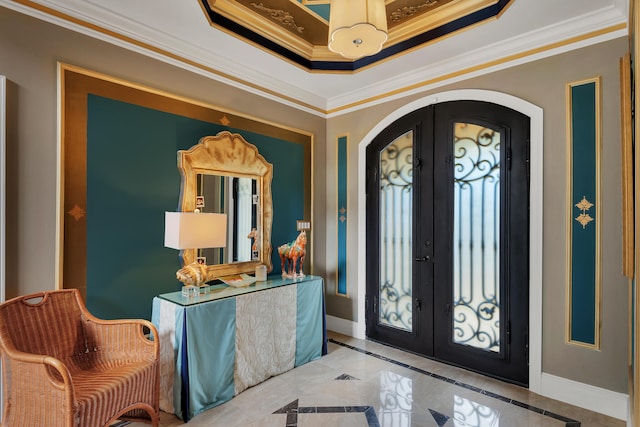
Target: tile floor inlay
<point>363,383</point>
<point>292,410</point>
<point>440,419</point>
<point>465,408</point>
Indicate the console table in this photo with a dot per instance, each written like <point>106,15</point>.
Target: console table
<point>216,345</point>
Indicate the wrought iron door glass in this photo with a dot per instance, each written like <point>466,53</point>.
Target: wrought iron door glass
<point>476,249</point>
<point>396,206</point>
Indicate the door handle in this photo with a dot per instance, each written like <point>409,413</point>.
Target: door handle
<point>423,258</point>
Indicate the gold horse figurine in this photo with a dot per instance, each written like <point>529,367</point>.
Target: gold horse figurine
<point>291,253</point>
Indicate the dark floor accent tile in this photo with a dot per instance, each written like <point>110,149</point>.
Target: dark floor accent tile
<point>560,417</point>
<point>329,409</point>
<point>372,418</point>
<point>292,419</point>
<point>346,377</point>
<point>527,406</point>
<point>441,378</point>
<point>291,407</point>
<point>496,396</point>
<point>469,387</point>
<point>368,411</point>
<point>440,419</point>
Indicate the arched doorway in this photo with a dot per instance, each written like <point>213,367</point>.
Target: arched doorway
<point>447,226</point>
<point>535,201</point>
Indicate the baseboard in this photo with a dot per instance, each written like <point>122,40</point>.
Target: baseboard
<point>345,327</point>
<point>586,396</point>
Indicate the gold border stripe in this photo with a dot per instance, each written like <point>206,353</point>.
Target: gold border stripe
<point>570,210</point>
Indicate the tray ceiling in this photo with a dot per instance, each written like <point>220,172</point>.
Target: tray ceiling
<point>256,58</point>
<point>298,30</point>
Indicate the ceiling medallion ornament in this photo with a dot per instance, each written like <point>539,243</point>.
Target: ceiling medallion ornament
<point>282,16</point>
<point>357,28</point>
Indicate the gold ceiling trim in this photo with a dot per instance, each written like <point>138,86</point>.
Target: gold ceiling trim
<point>262,23</point>
<point>483,66</point>
<point>282,16</point>
<point>129,40</point>
<point>301,104</point>
<point>437,17</point>
<point>280,21</point>
<point>405,12</point>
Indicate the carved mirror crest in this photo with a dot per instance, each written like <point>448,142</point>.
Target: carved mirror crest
<point>226,174</point>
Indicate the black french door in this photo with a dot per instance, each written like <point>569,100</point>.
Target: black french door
<point>448,236</point>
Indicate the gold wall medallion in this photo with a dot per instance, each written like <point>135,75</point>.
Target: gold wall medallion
<point>584,218</point>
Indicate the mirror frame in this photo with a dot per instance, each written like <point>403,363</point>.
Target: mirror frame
<point>228,154</point>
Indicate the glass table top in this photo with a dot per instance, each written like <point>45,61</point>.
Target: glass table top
<point>221,290</point>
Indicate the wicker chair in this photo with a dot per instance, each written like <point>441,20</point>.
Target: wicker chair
<point>64,367</point>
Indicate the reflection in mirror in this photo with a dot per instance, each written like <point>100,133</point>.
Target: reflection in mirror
<point>238,198</point>
<point>226,174</point>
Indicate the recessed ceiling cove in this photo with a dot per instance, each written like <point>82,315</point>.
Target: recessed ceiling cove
<point>298,30</point>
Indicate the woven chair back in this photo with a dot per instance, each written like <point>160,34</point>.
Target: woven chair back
<point>47,323</point>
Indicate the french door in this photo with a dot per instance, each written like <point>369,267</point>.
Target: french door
<point>448,236</point>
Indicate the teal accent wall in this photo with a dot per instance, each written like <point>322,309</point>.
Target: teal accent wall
<point>321,9</point>
<point>583,237</point>
<point>132,179</point>
<point>342,216</point>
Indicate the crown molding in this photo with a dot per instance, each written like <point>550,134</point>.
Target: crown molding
<point>581,31</point>
<point>272,79</point>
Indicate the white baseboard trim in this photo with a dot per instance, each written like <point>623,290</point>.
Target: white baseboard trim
<point>345,327</point>
<point>586,396</point>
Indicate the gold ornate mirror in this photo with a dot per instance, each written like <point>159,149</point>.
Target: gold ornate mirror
<point>226,174</point>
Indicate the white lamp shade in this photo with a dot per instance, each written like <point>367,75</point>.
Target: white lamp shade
<point>357,28</point>
<point>195,230</point>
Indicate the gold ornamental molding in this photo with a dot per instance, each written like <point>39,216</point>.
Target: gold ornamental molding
<point>282,16</point>
<point>297,28</point>
<point>409,11</point>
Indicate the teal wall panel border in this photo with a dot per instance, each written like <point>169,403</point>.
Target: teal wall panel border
<point>118,174</point>
<point>583,252</point>
<point>343,161</point>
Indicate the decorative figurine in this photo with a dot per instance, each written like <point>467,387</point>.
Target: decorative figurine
<point>253,235</point>
<point>291,253</point>
<point>194,274</point>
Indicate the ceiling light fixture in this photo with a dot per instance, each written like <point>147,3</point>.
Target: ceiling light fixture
<point>357,28</point>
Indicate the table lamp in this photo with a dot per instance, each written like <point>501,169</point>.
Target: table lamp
<point>194,230</point>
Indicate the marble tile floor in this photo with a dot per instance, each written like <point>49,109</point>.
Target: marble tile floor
<point>367,384</point>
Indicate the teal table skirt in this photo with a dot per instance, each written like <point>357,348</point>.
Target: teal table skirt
<point>214,348</point>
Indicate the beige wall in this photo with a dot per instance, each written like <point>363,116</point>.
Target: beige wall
<point>543,84</point>
<point>29,52</point>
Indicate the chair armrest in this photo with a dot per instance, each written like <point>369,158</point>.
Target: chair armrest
<point>37,384</point>
<point>36,373</point>
<point>124,337</point>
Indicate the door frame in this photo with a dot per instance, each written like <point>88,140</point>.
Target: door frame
<point>535,114</point>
